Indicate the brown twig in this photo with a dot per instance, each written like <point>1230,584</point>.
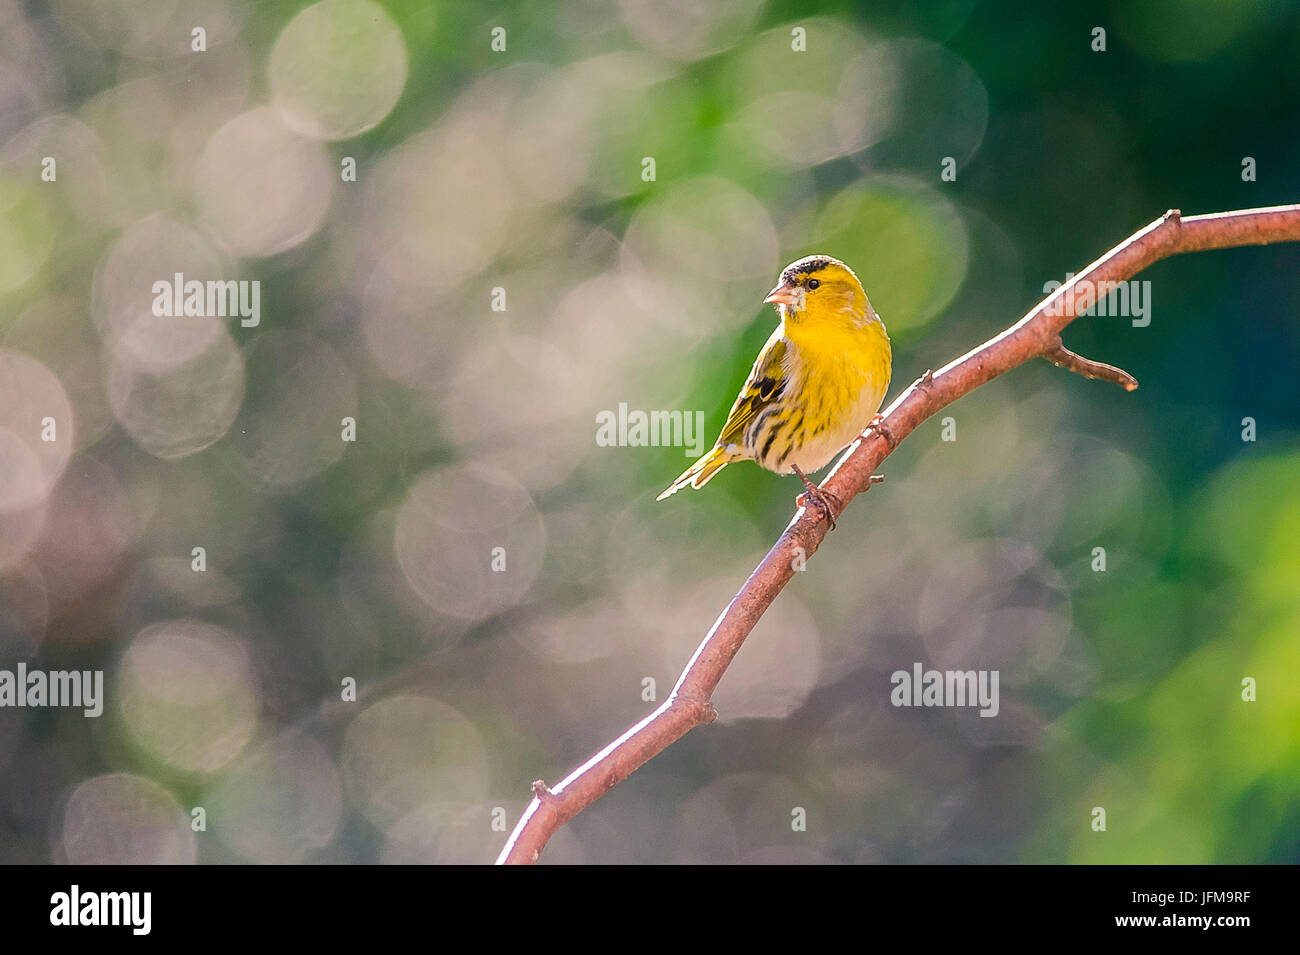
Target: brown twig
<point>1060,355</point>
<point>1038,334</point>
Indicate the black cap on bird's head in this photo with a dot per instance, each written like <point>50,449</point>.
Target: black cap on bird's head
<point>808,265</point>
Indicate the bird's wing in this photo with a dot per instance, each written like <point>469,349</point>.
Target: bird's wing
<point>767,380</point>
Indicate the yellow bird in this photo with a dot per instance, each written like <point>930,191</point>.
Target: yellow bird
<point>816,385</point>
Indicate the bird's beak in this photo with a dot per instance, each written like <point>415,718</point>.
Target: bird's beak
<point>784,294</point>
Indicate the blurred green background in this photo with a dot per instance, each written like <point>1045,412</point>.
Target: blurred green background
<point>521,169</point>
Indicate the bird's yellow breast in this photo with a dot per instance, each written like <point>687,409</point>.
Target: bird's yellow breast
<point>840,370</point>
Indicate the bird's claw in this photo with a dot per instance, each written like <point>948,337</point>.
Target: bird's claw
<point>877,424</point>
<point>821,499</point>
<point>818,497</point>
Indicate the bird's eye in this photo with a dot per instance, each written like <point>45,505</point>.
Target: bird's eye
<point>812,284</point>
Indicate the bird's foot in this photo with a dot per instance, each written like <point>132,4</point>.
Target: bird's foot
<point>877,424</point>
<point>820,498</point>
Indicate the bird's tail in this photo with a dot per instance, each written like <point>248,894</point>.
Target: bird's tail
<point>698,474</point>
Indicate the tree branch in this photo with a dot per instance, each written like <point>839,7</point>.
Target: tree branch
<point>1037,334</point>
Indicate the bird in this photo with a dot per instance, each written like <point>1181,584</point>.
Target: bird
<point>816,385</point>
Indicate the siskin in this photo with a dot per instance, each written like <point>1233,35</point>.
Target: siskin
<point>816,385</point>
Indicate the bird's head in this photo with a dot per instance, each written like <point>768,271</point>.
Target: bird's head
<point>819,286</point>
